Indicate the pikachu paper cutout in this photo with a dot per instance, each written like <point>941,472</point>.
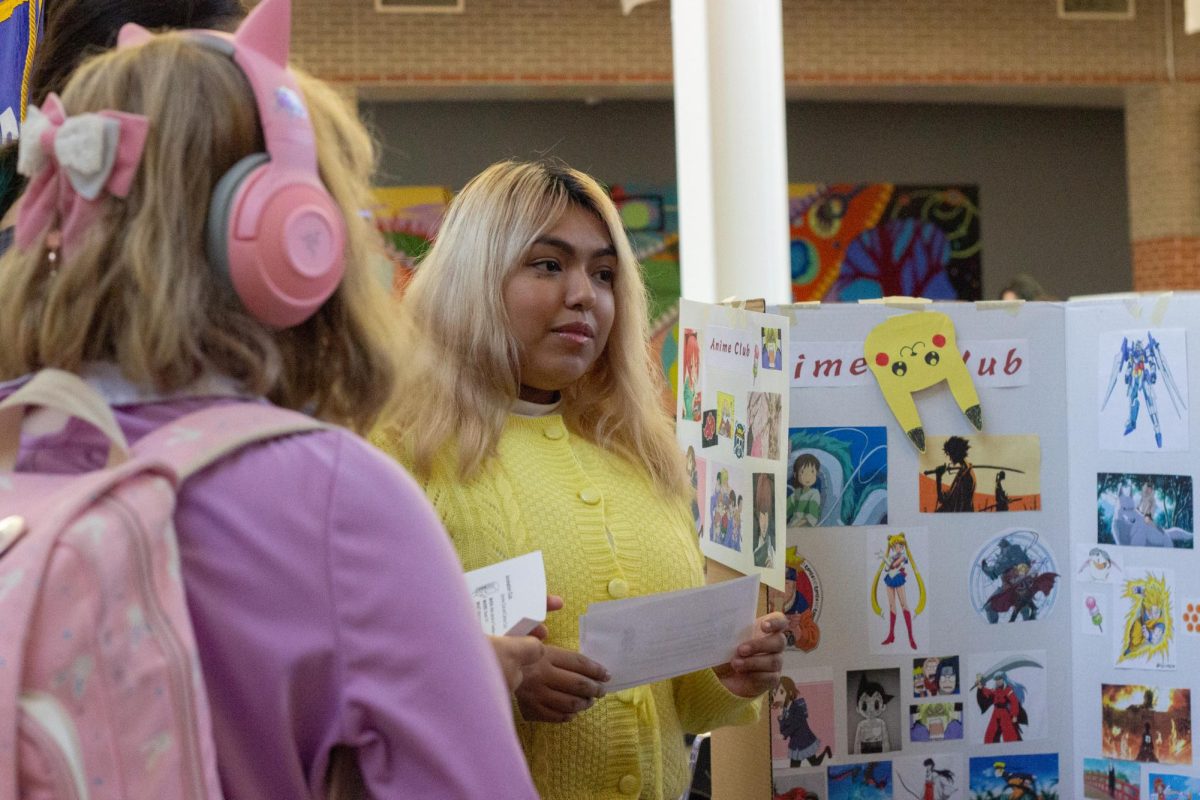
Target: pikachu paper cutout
<point>912,352</point>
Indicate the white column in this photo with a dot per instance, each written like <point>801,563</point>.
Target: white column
<point>731,152</point>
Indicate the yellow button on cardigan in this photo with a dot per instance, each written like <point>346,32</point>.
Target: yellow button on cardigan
<point>604,531</point>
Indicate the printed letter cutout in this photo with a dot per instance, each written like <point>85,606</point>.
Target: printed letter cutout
<point>912,352</point>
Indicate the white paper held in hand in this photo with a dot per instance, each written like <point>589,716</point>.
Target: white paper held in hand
<point>661,636</point>
<point>510,596</point>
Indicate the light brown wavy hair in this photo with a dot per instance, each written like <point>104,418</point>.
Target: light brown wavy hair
<point>468,371</point>
<point>138,289</point>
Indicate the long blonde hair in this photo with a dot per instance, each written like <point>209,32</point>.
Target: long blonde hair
<point>467,359</point>
<point>138,289</point>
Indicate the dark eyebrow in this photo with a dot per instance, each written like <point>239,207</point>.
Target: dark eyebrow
<point>566,247</point>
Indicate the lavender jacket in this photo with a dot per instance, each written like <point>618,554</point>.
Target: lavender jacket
<point>329,609</point>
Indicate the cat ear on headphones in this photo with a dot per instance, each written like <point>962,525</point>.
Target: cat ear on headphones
<point>267,30</point>
<point>132,35</point>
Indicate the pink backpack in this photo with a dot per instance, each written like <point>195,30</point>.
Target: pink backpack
<point>101,695</point>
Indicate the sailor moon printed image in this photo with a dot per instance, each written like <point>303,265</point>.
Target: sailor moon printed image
<point>903,589</point>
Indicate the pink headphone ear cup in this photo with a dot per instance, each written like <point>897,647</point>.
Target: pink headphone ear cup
<point>281,239</point>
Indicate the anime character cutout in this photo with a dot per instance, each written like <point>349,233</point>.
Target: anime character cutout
<point>935,676</point>
<point>1019,785</point>
<point>805,502</point>
<point>948,675</point>
<point>894,565</point>
<point>933,722</point>
<point>1134,521</point>
<point>694,479</point>
<point>691,376</point>
<point>772,348</point>
<point>1098,565</point>
<point>803,743</point>
<point>872,774</point>
<point>911,352</point>
<point>724,513</point>
<point>799,602</point>
<point>1021,579</point>
<point>939,783</point>
<point>960,496</point>
<point>871,734</point>
<point>764,520</point>
<point>1142,364</point>
<point>1148,630</point>
<point>1006,700</point>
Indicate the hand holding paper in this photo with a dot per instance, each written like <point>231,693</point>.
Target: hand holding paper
<point>560,685</point>
<point>661,636</point>
<point>756,667</point>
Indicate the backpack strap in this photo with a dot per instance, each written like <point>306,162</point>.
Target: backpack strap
<point>61,391</point>
<point>200,439</point>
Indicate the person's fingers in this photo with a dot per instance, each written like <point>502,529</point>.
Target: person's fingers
<point>773,622</point>
<point>758,664</point>
<point>540,632</point>
<point>553,602</point>
<point>563,703</point>
<point>576,662</point>
<point>775,643</point>
<point>571,683</point>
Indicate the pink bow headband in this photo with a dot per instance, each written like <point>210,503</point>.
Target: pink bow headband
<point>70,162</point>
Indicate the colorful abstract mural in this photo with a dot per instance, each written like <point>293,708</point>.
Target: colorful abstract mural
<point>852,241</point>
<point>849,242</point>
<point>408,217</point>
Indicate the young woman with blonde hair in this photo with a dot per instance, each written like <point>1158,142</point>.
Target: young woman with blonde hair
<point>534,424</point>
<point>329,611</point>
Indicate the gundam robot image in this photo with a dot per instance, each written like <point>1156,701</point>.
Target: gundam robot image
<point>1142,365</point>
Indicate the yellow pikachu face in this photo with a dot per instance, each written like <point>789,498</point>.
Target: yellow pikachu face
<point>914,351</point>
<point>911,352</point>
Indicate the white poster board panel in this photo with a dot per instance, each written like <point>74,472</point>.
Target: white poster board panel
<point>865,499</point>
<point>731,422</point>
<point>1132,510</point>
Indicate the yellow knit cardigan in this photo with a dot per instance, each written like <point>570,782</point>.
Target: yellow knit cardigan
<point>605,533</point>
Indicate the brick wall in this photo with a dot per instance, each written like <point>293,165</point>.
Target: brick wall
<point>1162,133</point>
<point>826,42</point>
<point>1166,263</point>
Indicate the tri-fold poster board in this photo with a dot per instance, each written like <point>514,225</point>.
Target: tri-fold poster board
<point>981,528</point>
